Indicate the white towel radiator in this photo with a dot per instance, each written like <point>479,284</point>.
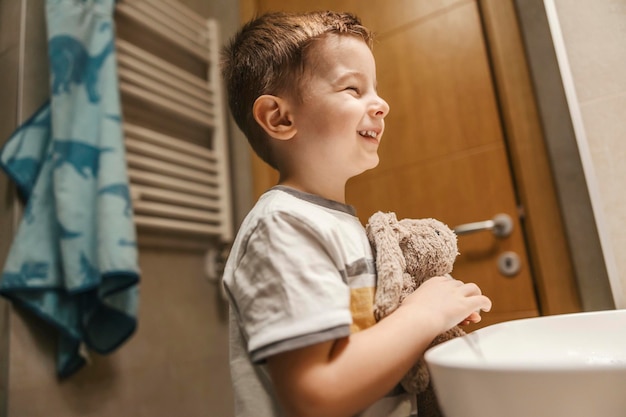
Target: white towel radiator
<point>174,122</point>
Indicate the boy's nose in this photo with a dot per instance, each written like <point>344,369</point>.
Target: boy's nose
<point>380,108</point>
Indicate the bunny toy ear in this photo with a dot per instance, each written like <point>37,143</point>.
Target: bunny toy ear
<point>383,233</point>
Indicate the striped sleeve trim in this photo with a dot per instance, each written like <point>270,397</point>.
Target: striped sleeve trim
<point>260,355</point>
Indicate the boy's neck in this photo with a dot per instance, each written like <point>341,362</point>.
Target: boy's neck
<point>329,191</point>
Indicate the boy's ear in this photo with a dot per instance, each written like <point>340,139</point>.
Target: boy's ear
<point>274,116</point>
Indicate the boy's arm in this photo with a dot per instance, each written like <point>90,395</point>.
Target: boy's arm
<point>342,377</point>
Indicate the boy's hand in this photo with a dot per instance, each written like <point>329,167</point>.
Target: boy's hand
<point>472,318</point>
<point>312,380</point>
<point>449,301</point>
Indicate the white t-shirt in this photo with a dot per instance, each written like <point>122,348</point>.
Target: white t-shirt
<point>300,272</point>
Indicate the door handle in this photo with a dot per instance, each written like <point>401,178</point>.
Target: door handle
<point>501,226</point>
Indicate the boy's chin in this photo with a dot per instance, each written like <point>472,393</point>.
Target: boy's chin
<point>367,167</point>
<point>374,163</point>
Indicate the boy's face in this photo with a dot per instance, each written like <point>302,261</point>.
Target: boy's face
<point>340,117</point>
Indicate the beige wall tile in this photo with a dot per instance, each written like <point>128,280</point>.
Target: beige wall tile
<point>595,35</point>
<point>10,11</point>
<point>606,130</point>
<point>9,61</point>
<point>619,241</point>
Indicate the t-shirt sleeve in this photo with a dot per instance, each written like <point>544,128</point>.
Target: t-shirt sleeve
<point>288,288</point>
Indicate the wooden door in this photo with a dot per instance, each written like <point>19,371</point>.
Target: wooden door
<point>443,154</point>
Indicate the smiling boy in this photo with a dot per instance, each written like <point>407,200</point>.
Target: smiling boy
<point>301,276</point>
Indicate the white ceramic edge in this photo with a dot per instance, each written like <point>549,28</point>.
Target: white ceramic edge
<point>617,290</point>
<point>430,356</point>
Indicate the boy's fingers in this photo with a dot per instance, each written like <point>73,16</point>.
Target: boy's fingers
<point>488,304</point>
<point>475,317</point>
<point>471,288</point>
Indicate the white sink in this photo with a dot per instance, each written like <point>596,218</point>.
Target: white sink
<point>571,365</point>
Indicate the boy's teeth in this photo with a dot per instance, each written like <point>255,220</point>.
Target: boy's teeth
<point>369,133</point>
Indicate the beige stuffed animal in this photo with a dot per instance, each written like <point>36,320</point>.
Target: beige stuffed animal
<point>408,252</point>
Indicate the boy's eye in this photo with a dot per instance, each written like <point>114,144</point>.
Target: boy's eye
<point>355,89</point>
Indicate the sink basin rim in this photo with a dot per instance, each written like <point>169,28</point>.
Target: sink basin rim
<point>462,353</point>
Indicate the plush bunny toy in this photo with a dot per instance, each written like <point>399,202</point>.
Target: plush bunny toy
<point>408,252</point>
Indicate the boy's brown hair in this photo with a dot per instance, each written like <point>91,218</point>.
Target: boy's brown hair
<point>268,56</point>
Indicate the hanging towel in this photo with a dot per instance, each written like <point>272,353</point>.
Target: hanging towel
<point>74,258</point>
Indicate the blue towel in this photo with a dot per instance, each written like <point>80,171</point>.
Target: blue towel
<point>74,259</point>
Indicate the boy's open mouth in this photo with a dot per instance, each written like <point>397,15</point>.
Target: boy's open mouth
<point>368,133</point>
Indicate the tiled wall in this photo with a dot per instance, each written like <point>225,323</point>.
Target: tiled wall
<point>9,49</point>
<point>176,364</point>
<point>10,114</point>
<point>594,35</point>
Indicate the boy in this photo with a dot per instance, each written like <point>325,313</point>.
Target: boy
<point>300,276</point>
